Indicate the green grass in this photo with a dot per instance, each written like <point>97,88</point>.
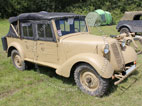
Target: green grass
<point>45,88</point>
<point>104,30</point>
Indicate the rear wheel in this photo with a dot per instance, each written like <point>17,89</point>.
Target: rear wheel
<point>17,60</point>
<point>89,81</point>
<point>124,30</point>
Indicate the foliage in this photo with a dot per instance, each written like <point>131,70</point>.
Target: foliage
<point>116,7</point>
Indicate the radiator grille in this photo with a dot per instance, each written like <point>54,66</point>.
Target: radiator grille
<point>117,55</point>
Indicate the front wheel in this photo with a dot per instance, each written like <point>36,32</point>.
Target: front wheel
<point>17,60</point>
<point>89,81</point>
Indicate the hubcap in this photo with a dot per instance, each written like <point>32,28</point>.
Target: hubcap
<point>89,80</point>
<point>17,61</point>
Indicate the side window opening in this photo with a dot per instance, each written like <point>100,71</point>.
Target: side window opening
<point>77,25</point>
<point>48,32</point>
<point>15,26</point>
<point>25,33</point>
<point>138,17</point>
<point>41,30</point>
<point>44,32</point>
<point>141,17</point>
<point>27,30</point>
<point>11,30</point>
<point>30,31</point>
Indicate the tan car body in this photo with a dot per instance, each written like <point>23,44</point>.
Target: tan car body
<point>70,50</point>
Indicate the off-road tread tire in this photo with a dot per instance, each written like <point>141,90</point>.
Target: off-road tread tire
<point>103,83</point>
<point>23,63</point>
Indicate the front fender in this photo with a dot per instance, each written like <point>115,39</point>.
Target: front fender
<point>129,55</point>
<point>100,64</point>
<point>18,47</point>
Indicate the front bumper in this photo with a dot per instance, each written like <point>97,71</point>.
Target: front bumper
<point>122,77</point>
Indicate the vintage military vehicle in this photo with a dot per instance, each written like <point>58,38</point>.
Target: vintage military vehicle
<point>62,41</point>
<point>130,22</point>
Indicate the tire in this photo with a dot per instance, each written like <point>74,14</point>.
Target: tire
<point>124,30</point>
<point>17,61</point>
<point>89,81</point>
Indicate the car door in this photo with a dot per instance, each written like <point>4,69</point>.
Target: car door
<point>137,23</point>
<point>47,47</point>
<point>28,40</point>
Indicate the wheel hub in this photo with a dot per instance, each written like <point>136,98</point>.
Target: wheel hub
<point>89,80</point>
<point>17,61</point>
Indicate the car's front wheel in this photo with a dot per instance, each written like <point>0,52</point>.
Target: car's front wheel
<point>17,60</point>
<point>89,81</point>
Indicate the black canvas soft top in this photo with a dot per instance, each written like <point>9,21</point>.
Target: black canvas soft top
<point>43,15</point>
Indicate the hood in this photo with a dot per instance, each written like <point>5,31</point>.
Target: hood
<point>84,43</point>
<point>86,38</point>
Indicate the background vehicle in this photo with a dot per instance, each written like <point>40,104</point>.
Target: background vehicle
<point>131,22</point>
<point>62,41</point>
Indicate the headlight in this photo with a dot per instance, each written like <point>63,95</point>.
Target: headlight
<point>106,49</point>
<point>123,44</point>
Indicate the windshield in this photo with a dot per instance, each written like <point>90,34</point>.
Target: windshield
<point>70,25</point>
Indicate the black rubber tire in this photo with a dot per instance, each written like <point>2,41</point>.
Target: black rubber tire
<point>124,30</point>
<point>103,83</point>
<point>15,52</point>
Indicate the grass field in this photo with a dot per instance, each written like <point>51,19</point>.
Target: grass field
<point>44,88</point>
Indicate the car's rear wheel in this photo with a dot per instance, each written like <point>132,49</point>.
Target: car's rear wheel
<point>89,81</point>
<point>124,30</point>
<point>17,60</point>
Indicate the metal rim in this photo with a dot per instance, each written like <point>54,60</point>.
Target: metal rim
<point>89,80</point>
<point>17,60</point>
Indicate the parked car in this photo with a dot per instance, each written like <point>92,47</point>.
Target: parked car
<point>62,41</point>
<point>130,22</point>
